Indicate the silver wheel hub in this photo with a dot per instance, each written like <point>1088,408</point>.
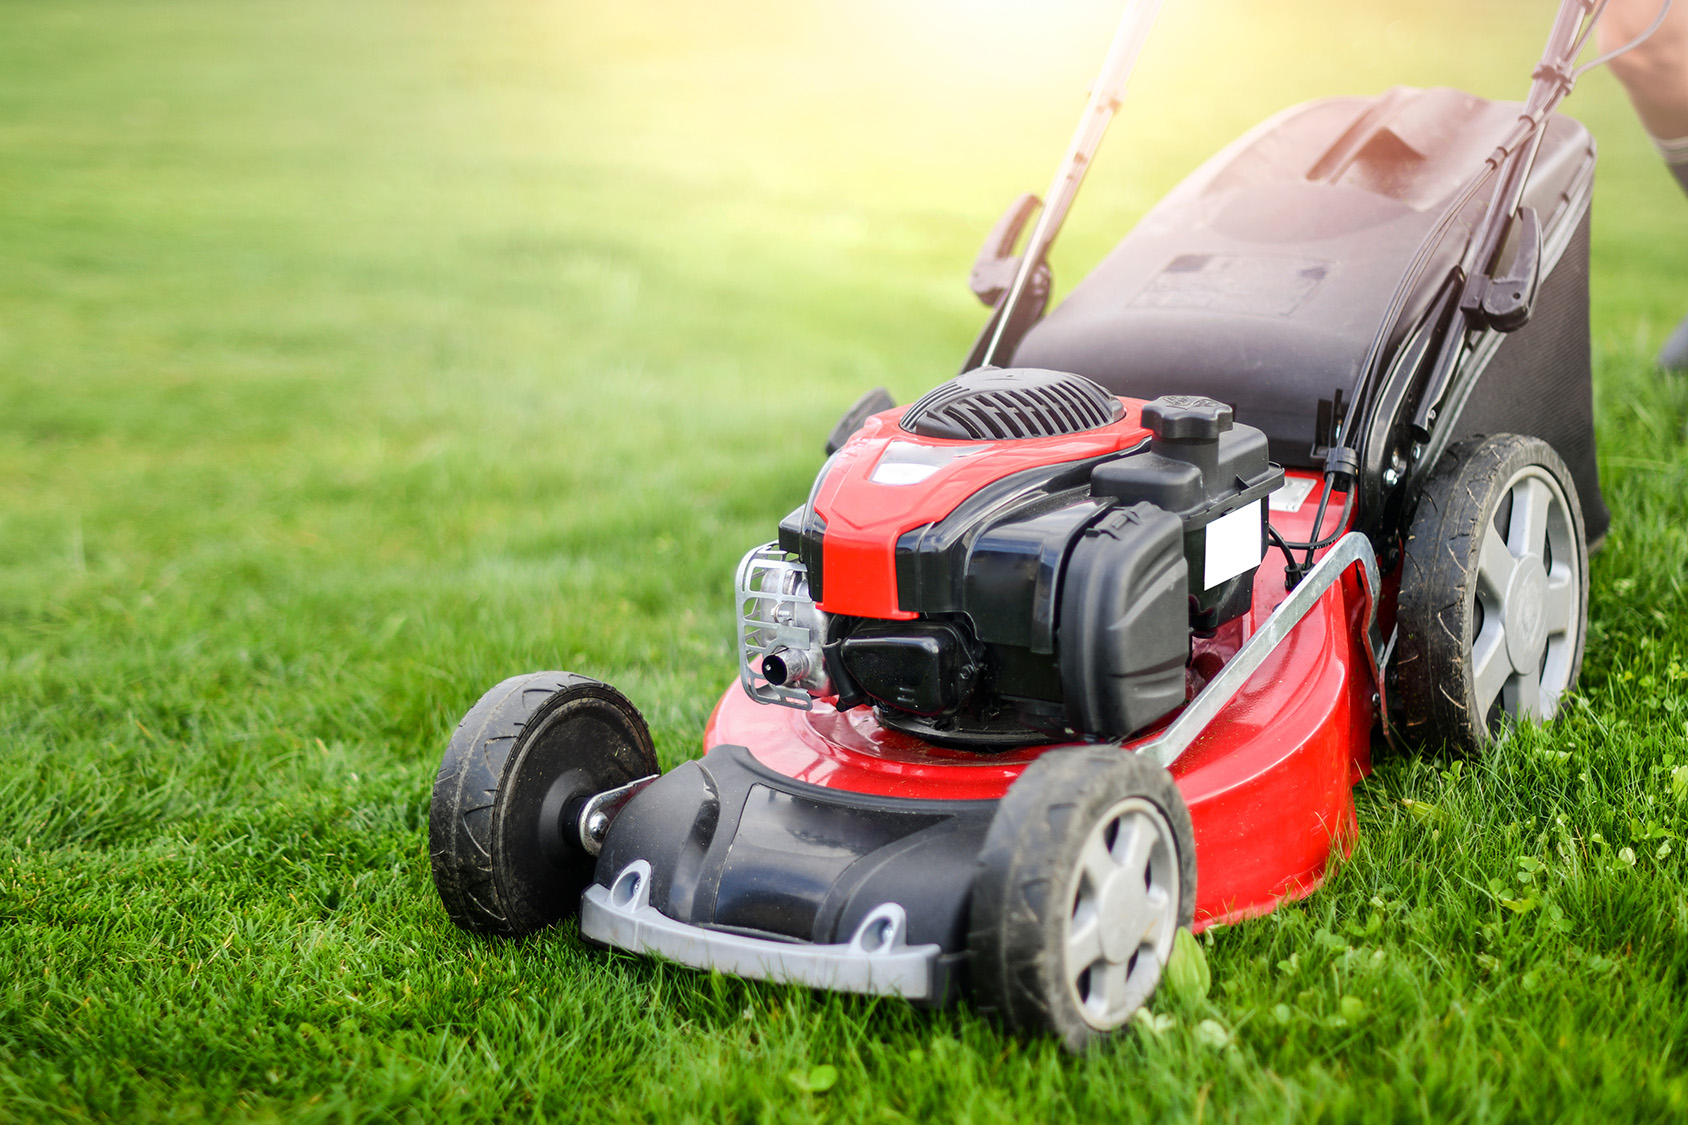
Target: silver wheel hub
<point>1526,617</point>
<point>1529,583</point>
<point>1124,913</point>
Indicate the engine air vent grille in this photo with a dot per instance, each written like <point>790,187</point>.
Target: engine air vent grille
<point>1024,402</point>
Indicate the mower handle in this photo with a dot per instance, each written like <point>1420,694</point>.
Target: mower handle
<point>1106,93</point>
<point>1485,304</point>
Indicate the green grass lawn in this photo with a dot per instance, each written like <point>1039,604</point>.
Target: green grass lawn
<point>354,356</point>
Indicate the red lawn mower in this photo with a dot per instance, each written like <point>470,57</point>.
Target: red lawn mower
<point>1091,642</point>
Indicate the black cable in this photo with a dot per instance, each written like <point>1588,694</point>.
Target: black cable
<point>1293,572</point>
<point>1321,543</point>
<point>1318,522</point>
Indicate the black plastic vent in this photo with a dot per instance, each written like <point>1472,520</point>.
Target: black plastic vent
<point>1020,402</point>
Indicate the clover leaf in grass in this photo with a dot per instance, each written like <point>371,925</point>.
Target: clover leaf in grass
<point>815,1080</point>
<point>1372,925</point>
<point>1153,1023</point>
<point>1423,811</point>
<point>1212,1033</point>
<point>1336,943</point>
<point>1652,830</point>
<point>1187,975</point>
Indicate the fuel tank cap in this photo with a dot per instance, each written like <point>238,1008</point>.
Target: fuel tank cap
<point>1186,418</point>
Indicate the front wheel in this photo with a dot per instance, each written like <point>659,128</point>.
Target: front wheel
<point>503,834</point>
<point>1087,873</point>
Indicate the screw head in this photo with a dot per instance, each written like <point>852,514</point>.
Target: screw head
<point>597,825</point>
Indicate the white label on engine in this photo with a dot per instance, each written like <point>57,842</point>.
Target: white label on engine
<point>1292,495</point>
<point>1234,544</point>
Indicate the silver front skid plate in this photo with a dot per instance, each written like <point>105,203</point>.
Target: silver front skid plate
<point>876,960</point>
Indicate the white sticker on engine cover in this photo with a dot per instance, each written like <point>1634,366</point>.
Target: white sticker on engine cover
<point>1234,544</point>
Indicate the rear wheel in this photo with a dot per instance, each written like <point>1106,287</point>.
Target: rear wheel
<point>1493,609</point>
<point>503,833</point>
<point>1087,873</point>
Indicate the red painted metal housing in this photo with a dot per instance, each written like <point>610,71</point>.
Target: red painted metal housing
<point>1269,783</point>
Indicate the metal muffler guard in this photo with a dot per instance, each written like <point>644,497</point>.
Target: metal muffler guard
<point>876,960</point>
<point>775,613</point>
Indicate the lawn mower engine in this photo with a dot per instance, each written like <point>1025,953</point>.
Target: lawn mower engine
<point>1018,557</point>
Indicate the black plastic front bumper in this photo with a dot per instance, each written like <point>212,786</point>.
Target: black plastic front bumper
<point>724,863</point>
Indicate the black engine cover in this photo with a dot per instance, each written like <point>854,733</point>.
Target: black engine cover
<point>1125,634</point>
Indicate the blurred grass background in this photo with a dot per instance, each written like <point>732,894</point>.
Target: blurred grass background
<point>356,355</point>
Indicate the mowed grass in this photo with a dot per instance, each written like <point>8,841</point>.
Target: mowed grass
<point>356,356</point>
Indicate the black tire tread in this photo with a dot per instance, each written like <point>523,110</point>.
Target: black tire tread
<point>1433,698</point>
<point>1047,813</point>
<point>462,811</point>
